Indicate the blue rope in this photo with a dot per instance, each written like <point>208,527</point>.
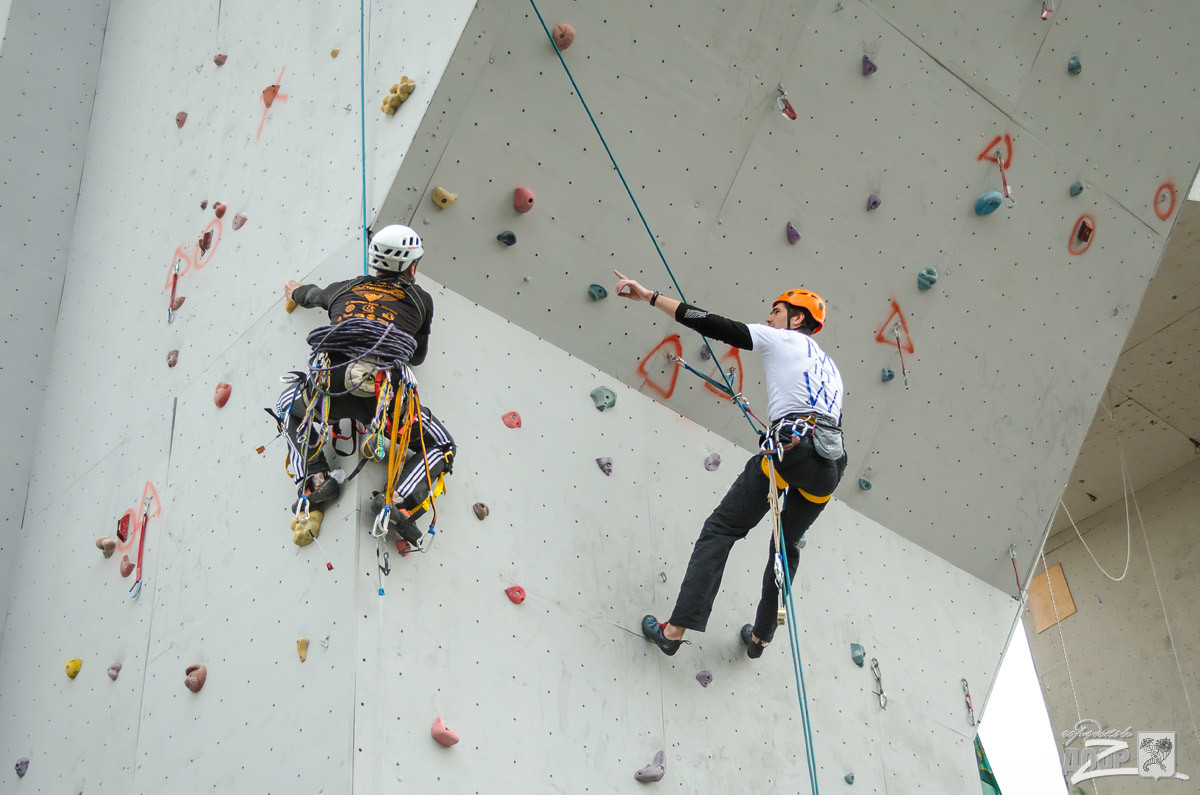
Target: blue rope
<point>797,665</point>
<point>715,383</point>
<point>645,223</point>
<point>362,115</point>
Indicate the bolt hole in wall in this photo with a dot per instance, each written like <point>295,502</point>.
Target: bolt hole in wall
<point>1015,730</point>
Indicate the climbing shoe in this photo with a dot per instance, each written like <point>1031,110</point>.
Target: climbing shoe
<point>753,650</point>
<point>324,493</point>
<point>654,633</point>
<point>398,520</point>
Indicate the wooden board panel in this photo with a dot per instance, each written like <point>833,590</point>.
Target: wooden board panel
<point>1045,609</point>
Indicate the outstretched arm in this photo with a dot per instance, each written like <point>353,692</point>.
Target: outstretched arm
<point>731,332</point>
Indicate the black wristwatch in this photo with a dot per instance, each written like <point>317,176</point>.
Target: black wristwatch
<point>654,297</point>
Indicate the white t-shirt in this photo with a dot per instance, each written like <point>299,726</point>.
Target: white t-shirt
<point>801,378</point>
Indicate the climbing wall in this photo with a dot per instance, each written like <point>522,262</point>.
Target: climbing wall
<point>998,367</point>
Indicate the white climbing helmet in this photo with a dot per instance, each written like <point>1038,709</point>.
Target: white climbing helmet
<point>394,248</point>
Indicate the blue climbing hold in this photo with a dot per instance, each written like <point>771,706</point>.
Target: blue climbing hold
<point>888,374</point>
<point>507,238</point>
<point>849,777</point>
<point>989,202</point>
<point>1073,65</point>
<point>927,278</point>
<point>864,484</point>
<point>1076,188</point>
<point>858,654</point>
<point>597,292</point>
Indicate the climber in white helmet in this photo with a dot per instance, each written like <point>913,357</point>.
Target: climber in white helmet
<point>379,325</point>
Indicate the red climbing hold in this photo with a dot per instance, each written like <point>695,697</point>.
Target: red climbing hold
<point>221,396</point>
<point>196,675</point>
<point>180,118</point>
<point>512,419</point>
<point>442,734</point>
<point>329,565</point>
<point>239,221</point>
<point>563,34</point>
<point>205,241</point>
<point>516,594</point>
<point>404,548</point>
<point>178,302</point>
<point>126,566</point>
<point>522,200</point>
<point>268,94</point>
<point>219,209</point>
<point>220,58</point>
<point>172,358</point>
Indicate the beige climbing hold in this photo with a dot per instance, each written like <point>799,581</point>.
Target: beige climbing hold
<point>305,529</point>
<point>481,511</point>
<point>195,675</point>
<point>334,52</point>
<point>126,566</point>
<point>106,545</point>
<point>397,94</point>
<point>73,667</point>
<point>394,100</point>
<point>444,198</point>
<point>563,35</point>
<point>302,649</point>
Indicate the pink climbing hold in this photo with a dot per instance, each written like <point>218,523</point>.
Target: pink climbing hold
<point>172,358</point>
<point>653,771</point>
<point>443,735</point>
<point>704,678</point>
<point>512,419</point>
<point>195,677</point>
<point>178,302</point>
<point>114,671</point>
<point>605,465</point>
<point>180,118</point>
<point>712,461</point>
<point>126,566</point>
<point>239,221</point>
<point>793,234</point>
<point>219,209</point>
<point>221,396</point>
<point>220,58</point>
<point>22,766</point>
<point>106,545</point>
<point>516,594</point>
<point>522,200</point>
<point>563,34</point>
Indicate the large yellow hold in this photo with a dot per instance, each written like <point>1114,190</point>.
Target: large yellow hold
<point>302,649</point>
<point>73,667</point>
<point>306,528</point>
<point>397,94</point>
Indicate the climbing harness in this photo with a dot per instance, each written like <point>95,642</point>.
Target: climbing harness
<point>629,191</point>
<point>136,588</point>
<point>783,581</point>
<point>883,699</point>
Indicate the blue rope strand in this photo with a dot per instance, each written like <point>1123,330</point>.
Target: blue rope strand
<point>645,223</point>
<point>798,666</point>
<point>362,115</point>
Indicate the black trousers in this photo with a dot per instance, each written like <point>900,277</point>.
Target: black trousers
<point>743,507</point>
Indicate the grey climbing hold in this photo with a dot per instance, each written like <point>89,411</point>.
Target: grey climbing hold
<point>868,66</point>
<point>849,778</point>
<point>704,678</point>
<point>1076,188</point>
<point>802,543</point>
<point>888,374</point>
<point>793,234</point>
<point>604,398</point>
<point>481,511</point>
<point>864,484</point>
<point>873,202</point>
<point>712,461</point>
<point>858,654</point>
<point>23,765</point>
<point>927,278</point>
<point>989,202</point>
<point>605,465</point>
<point>705,355</point>
<point>653,771</point>
<point>507,238</point>
<point>1073,65</point>
<point>596,292</point>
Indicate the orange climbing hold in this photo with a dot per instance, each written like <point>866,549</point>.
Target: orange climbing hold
<point>180,118</point>
<point>221,396</point>
<point>196,675</point>
<point>563,34</point>
<point>442,734</point>
<point>269,93</point>
<point>522,200</point>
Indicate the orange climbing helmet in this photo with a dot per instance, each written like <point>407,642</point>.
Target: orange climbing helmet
<point>809,302</point>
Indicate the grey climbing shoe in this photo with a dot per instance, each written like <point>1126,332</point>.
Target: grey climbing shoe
<point>323,494</point>
<point>753,650</point>
<point>398,520</point>
<point>654,632</point>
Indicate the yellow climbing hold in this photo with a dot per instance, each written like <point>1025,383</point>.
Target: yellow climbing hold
<point>444,198</point>
<point>306,528</point>
<point>302,649</point>
<point>334,52</point>
<point>73,667</point>
<point>397,94</point>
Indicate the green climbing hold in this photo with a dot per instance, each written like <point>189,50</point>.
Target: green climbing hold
<point>888,374</point>
<point>1074,66</point>
<point>858,654</point>
<point>597,292</point>
<point>849,777</point>
<point>927,278</point>
<point>1076,188</point>
<point>604,398</point>
<point>864,484</point>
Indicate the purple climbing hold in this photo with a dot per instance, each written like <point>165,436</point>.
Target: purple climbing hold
<point>653,771</point>
<point>873,202</point>
<point>23,765</point>
<point>793,234</point>
<point>704,678</point>
<point>868,66</point>
<point>712,461</point>
<point>605,465</point>
<point>704,354</point>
